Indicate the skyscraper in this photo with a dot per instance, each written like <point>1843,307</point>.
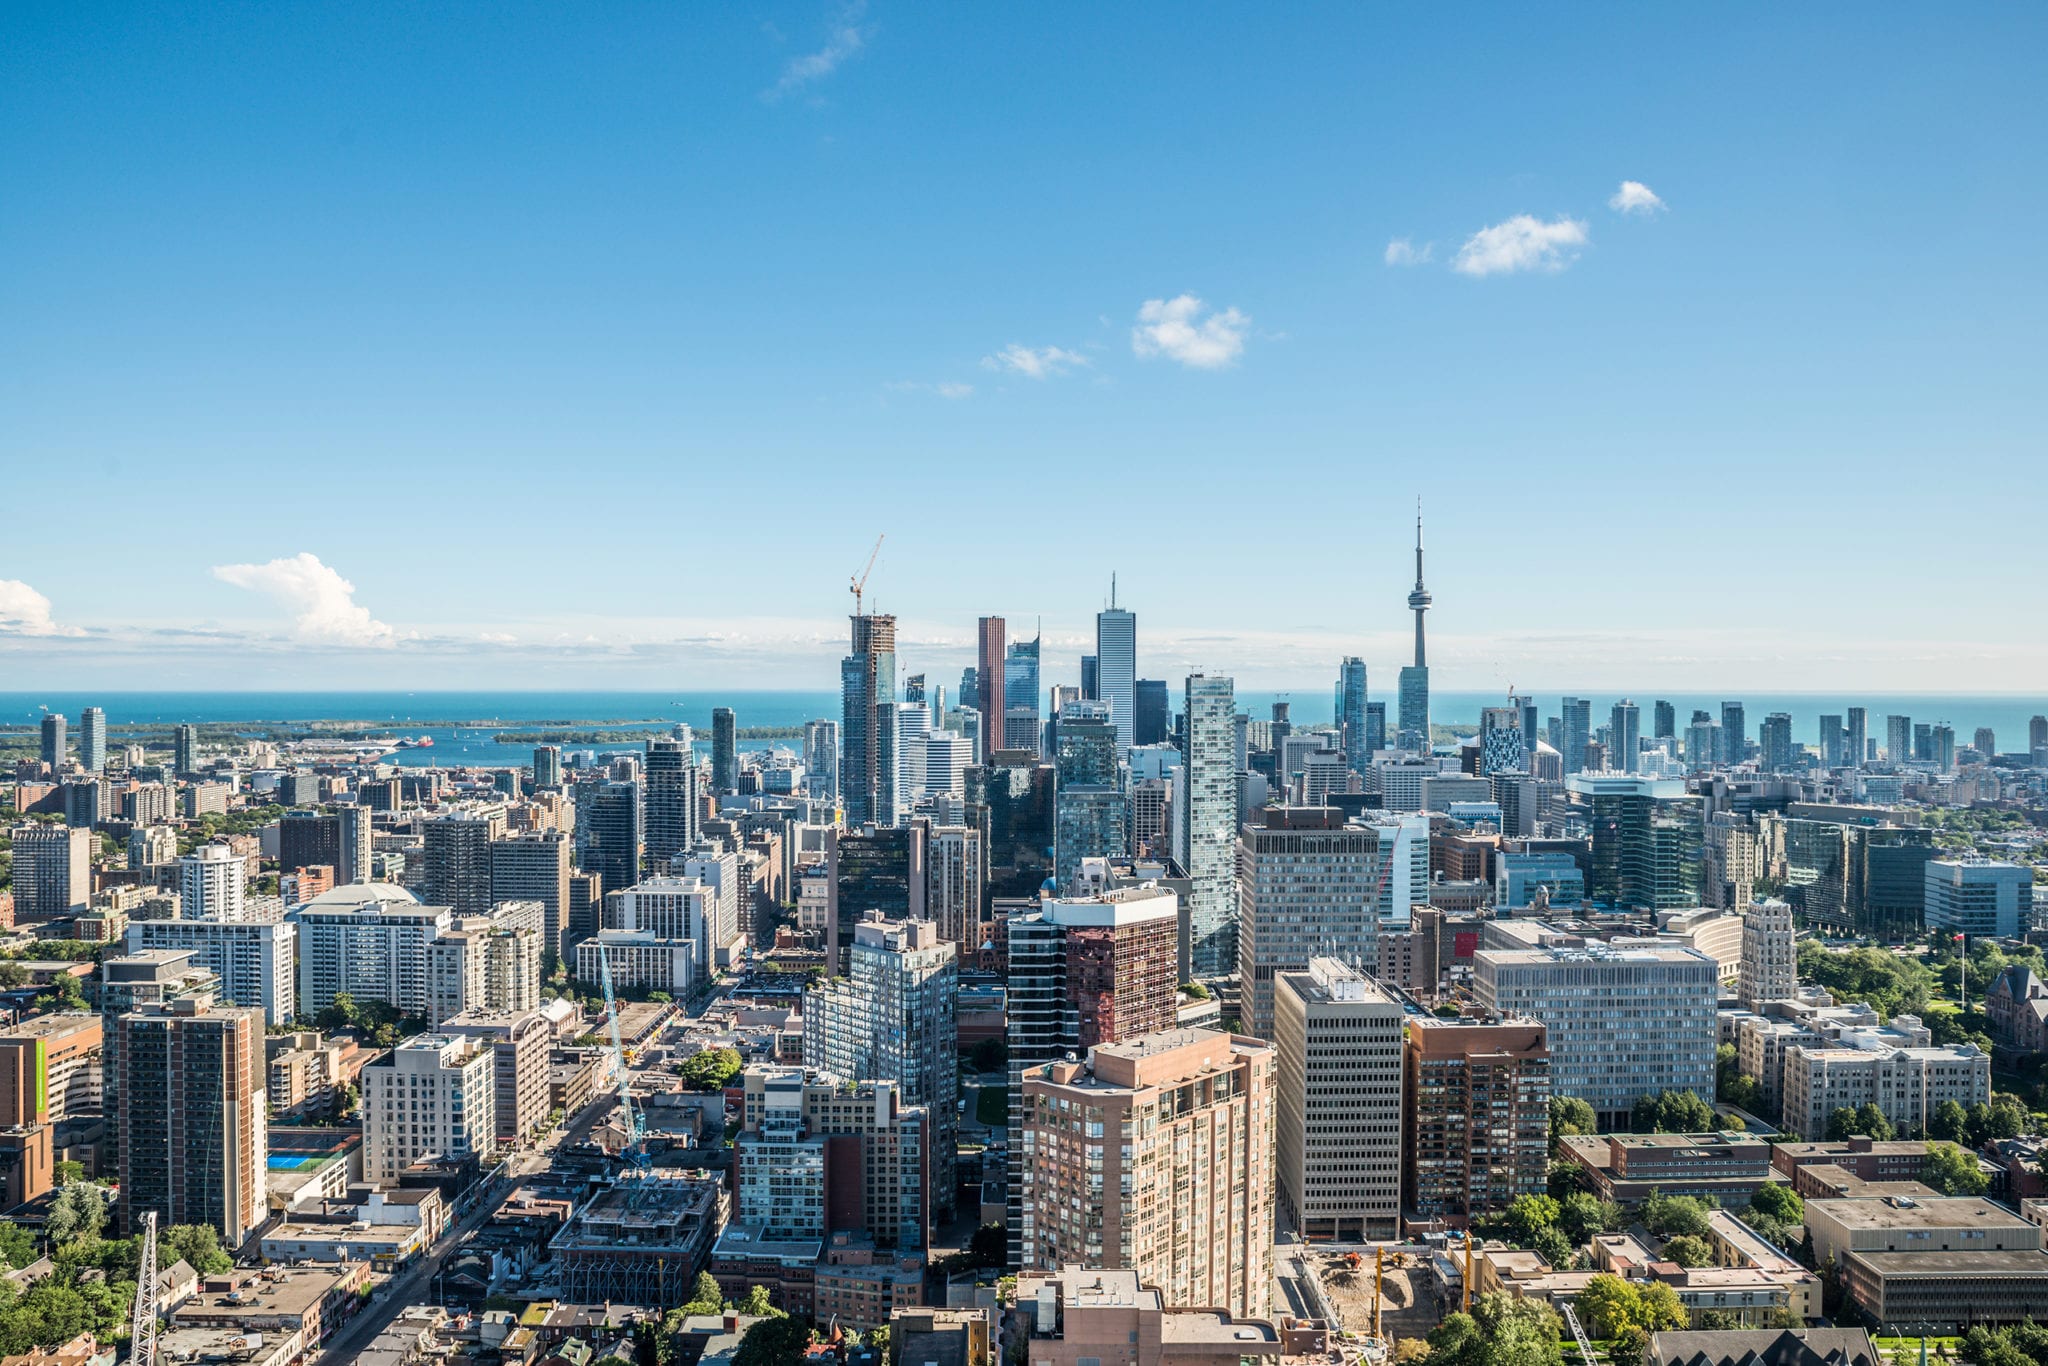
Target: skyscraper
<point>1985,742</point>
<point>185,749</point>
<point>1832,749</point>
<point>1351,729</point>
<point>892,1018</point>
<point>1089,800</point>
<point>1500,741</point>
<point>1337,1080</point>
<point>213,884</point>
<point>55,747</point>
<point>309,839</point>
<point>456,860</point>
<point>1625,727</point>
<point>1476,1103</point>
<point>1307,886</point>
<point>2037,740</point>
<point>673,799</point>
<point>535,867</point>
<point>1091,679</point>
<point>1577,725</point>
<point>1116,668</point>
<point>1155,708</point>
<point>1665,724</point>
<point>1020,696</point>
<point>872,868</point>
<point>547,766</point>
<point>1011,800</point>
<point>1209,823</point>
<point>1774,739</point>
<point>1859,737</point>
<point>92,739</point>
<point>1414,683</point>
<point>821,758</point>
<point>867,683</point>
<point>1734,733</point>
<point>1769,968</point>
<point>612,832</point>
<point>991,675</point>
<point>52,870</point>
<point>725,759</point>
<point>1898,739</point>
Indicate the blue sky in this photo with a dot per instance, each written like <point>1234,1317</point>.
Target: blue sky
<point>480,345</point>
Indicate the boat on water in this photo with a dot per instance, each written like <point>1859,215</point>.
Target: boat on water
<point>423,742</point>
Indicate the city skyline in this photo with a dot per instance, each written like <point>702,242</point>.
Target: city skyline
<point>407,291</point>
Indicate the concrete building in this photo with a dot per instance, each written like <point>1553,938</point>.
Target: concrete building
<point>1074,1316</point>
<point>255,962</point>
<point>818,1153</point>
<point>1208,821</point>
<point>456,872</point>
<point>52,870</point>
<point>479,964</point>
<point>536,867</point>
<point>1864,1068</point>
<point>1307,887</point>
<point>1476,1117</point>
<point>1622,1022</point>
<point>639,961</point>
<point>521,1044</point>
<point>213,884</point>
<point>640,1240</point>
<point>433,1096</point>
<point>892,1018</point>
<point>1980,896</point>
<point>1770,962</point>
<point>1085,971</point>
<point>1946,1261</point>
<point>192,1120</point>
<point>369,940</point>
<point>1337,1084</point>
<point>1155,1156</point>
<point>1627,1168</point>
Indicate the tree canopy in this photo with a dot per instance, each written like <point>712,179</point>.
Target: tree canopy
<point>1501,1330</point>
<point>1672,1112</point>
<point>1610,1306</point>
<point>712,1069</point>
<point>1952,1171</point>
<point>773,1342</point>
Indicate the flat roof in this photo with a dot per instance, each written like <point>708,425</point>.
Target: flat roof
<point>1894,1211</point>
<point>1954,1265</point>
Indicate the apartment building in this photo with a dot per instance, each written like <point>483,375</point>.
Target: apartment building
<point>432,1096</point>
<point>1476,1116</point>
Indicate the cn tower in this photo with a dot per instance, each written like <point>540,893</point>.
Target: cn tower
<point>1418,601</point>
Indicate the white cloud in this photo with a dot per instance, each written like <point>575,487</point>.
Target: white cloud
<point>844,41</point>
<point>25,612</point>
<point>321,601</point>
<point>1176,328</point>
<point>952,389</point>
<point>1523,242</point>
<point>1635,197</point>
<point>1037,363</point>
<point>1402,252</point>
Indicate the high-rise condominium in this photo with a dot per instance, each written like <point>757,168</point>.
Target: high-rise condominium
<point>1625,731</point>
<point>867,686</point>
<point>611,832</point>
<point>213,884</point>
<point>92,739</point>
<point>1090,797</point>
<point>1476,1103</point>
<point>725,763</point>
<point>547,766</point>
<point>1502,746</point>
<point>185,749</point>
<point>535,866</point>
<point>1859,737</point>
<point>871,868</point>
<point>1414,682</point>
<point>1351,729</point>
<point>1774,740</point>
<point>1576,718</point>
<point>52,870</point>
<point>1156,1156</point>
<point>1116,668</point>
<point>456,854</point>
<point>1664,726</point>
<point>1832,748</point>
<point>1734,733</point>
<point>1012,800</point>
<point>191,1120</point>
<point>892,1018</point>
<point>672,798</point>
<point>1337,1038</point>
<point>1209,824</point>
<point>55,746</point>
<point>1898,739</point>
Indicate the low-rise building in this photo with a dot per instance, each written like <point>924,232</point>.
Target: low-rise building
<point>862,1285</point>
<point>299,1307</point>
<point>1895,1224</point>
<point>1072,1317</point>
<point>1628,1167</point>
<point>1763,1347</point>
<point>1907,1084</point>
<point>642,1239</point>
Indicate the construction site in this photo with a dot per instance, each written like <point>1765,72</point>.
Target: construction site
<point>1389,1292</point>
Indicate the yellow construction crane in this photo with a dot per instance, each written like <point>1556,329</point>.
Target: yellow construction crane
<point>1468,1271</point>
<point>860,580</point>
<point>1379,1271</point>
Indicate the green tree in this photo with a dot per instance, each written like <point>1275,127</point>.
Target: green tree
<point>79,1214</point>
<point>705,1297</point>
<point>1566,1178</point>
<point>1527,1215</point>
<point>1569,1116</point>
<point>1556,1248</point>
<point>1775,1200</point>
<point>1631,1347</point>
<point>1689,1251</point>
<point>1952,1171</point>
<point>990,1245</point>
<point>1948,1121</point>
<point>1608,1305</point>
<point>711,1069</point>
<point>1672,1112</point>
<point>1660,1309</point>
<point>1674,1216</point>
<point>199,1245</point>
<point>773,1342</point>
<point>17,1245</point>
<point>67,1171</point>
<point>758,1303</point>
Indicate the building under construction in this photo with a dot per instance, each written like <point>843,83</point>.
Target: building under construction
<point>641,1239</point>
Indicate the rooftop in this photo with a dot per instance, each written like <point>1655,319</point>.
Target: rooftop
<point>1954,1265</point>
<point>1897,1211</point>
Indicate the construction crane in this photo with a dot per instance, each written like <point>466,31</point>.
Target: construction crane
<point>860,580</point>
<point>142,1323</point>
<point>633,1150</point>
